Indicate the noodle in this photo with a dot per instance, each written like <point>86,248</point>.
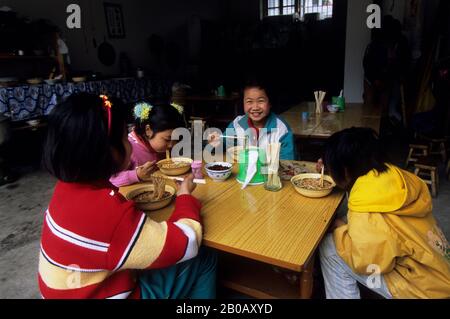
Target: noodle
<point>313,184</point>
<point>160,187</point>
<point>173,164</point>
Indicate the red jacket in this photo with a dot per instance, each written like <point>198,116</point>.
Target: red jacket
<point>93,240</point>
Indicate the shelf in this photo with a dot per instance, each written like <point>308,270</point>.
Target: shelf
<point>26,57</point>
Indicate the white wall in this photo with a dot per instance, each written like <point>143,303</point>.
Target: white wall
<point>141,18</point>
<point>357,39</point>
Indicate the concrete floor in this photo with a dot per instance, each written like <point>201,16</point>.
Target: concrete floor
<point>21,211</point>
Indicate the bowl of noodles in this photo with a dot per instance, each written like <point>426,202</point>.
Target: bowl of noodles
<point>152,196</point>
<point>309,185</point>
<point>175,166</point>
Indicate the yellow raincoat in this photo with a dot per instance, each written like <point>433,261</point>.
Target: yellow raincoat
<point>390,225</point>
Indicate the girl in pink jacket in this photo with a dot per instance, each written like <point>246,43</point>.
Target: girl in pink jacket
<point>151,136</point>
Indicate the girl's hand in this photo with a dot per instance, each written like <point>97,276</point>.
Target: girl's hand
<point>187,186</point>
<point>319,165</point>
<point>214,139</point>
<point>145,171</point>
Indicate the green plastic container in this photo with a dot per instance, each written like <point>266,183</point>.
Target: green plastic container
<point>259,177</point>
<point>339,101</point>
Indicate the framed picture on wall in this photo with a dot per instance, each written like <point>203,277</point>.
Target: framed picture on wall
<point>114,20</point>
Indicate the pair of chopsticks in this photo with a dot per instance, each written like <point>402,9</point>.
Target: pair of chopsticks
<point>320,96</point>
<point>273,160</point>
<point>245,138</point>
<point>180,179</point>
<point>321,176</point>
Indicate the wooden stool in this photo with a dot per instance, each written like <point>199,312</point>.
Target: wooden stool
<point>416,151</point>
<point>429,169</point>
<point>436,146</point>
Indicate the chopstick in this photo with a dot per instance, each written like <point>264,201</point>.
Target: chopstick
<point>233,137</point>
<point>181,179</point>
<point>167,154</point>
<point>273,160</point>
<point>320,96</point>
<point>321,177</point>
<point>245,138</point>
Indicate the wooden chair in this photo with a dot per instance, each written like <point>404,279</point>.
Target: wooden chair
<point>416,151</point>
<point>427,169</point>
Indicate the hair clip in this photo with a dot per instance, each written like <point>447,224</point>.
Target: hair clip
<point>178,107</point>
<point>107,105</point>
<point>142,111</point>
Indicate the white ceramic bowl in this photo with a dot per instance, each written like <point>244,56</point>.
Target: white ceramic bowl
<point>333,108</point>
<point>51,81</point>
<point>79,79</point>
<point>151,205</point>
<point>34,81</point>
<point>175,171</point>
<point>219,176</point>
<point>33,122</point>
<point>313,193</point>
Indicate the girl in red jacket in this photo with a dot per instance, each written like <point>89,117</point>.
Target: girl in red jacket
<point>93,240</point>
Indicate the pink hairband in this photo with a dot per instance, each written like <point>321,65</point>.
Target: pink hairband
<point>107,105</point>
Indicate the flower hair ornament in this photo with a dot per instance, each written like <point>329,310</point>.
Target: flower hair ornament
<point>178,107</point>
<point>142,111</point>
<point>107,105</point>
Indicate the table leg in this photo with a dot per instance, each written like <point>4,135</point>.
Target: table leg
<point>306,280</point>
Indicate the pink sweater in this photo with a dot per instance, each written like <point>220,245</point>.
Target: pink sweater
<point>140,154</point>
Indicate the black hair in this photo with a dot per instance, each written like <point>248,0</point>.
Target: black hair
<point>353,153</point>
<point>162,117</point>
<point>78,147</point>
<point>256,82</point>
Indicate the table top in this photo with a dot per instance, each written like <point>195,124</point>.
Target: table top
<point>281,228</point>
<point>326,124</point>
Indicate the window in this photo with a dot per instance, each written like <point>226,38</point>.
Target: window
<point>288,7</point>
<point>281,7</point>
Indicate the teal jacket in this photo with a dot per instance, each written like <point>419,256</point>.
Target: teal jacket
<point>276,130</point>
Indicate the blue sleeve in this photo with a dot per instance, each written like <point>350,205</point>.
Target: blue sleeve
<point>288,152</point>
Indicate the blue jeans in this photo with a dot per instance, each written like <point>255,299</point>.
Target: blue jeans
<point>192,279</point>
<point>340,280</point>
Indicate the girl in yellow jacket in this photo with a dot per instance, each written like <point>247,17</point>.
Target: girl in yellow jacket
<point>390,242</point>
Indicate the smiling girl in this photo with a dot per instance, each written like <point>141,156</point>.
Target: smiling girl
<point>259,123</point>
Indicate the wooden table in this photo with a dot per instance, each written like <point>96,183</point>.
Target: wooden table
<point>326,124</point>
<point>257,230</point>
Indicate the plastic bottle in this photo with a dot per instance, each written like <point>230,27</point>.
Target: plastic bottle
<point>197,169</point>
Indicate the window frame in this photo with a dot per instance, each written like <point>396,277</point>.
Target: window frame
<point>279,7</point>
<point>298,9</point>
